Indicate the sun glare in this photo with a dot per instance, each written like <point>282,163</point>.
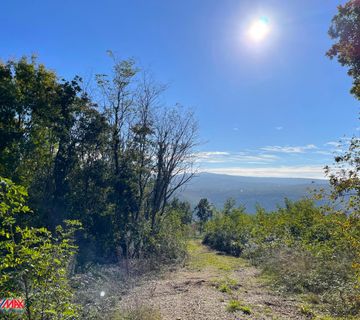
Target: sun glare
<point>259,30</point>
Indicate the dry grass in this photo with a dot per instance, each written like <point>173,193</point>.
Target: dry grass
<point>138,313</point>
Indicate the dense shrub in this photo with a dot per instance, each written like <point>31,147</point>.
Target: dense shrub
<point>229,232</point>
<point>168,244</point>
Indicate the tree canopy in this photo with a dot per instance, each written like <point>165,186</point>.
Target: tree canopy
<point>345,30</point>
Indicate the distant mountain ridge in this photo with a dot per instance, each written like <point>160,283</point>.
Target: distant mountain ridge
<point>248,191</point>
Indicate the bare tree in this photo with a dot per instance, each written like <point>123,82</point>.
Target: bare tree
<point>175,140</point>
<point>147,103</point>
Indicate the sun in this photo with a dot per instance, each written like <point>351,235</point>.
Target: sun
<point>259,29</point>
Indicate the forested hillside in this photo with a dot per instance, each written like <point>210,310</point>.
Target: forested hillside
<point>268,193</point>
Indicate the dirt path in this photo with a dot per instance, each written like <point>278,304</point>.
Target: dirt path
<point>211,287</point>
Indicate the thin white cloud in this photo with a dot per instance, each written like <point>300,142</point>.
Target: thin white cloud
<point>279,128</point>
<point>324,152</point>
<point>227,157</point>
<point>333,143</point>
<point>212,156</point>
<point>207,154</point>
<point>290,149</point>
<point>273,161</point>
<point>312,172</point>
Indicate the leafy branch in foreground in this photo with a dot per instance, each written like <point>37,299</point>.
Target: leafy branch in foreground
<point>33,261</point>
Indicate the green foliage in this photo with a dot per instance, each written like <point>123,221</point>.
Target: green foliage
<point>169,243</point>
<point>114,164</point>
<point>235,305</point>
<point>303,247</point>
<point>306,311</point>
<point>25,89</point>
<point>246,310</point>
<point>226,285</point>
<point>204,212</point>
<point>229,205</point>
<point>200,258</point>
<point>34,262</point>
<point>345,30</point>
<point>344,178</point>
<point>184,210</point>
<point>224,288</point>
<point>229,232</point>
<point>114,168</point>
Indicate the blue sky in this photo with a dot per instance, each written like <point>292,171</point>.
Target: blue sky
<point>275,108</point>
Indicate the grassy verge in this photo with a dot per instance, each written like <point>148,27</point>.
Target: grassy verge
<point>200,258</point>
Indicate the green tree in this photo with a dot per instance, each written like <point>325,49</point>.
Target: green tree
<point>27,91</point>
<point>229,205</point>
<point>203,211</point>
<point>345,30</point>
<point>118,91</point>
<point>183,208</point>
<point>90,187</point>
<point>38,138</point>
<point>54,141</point>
